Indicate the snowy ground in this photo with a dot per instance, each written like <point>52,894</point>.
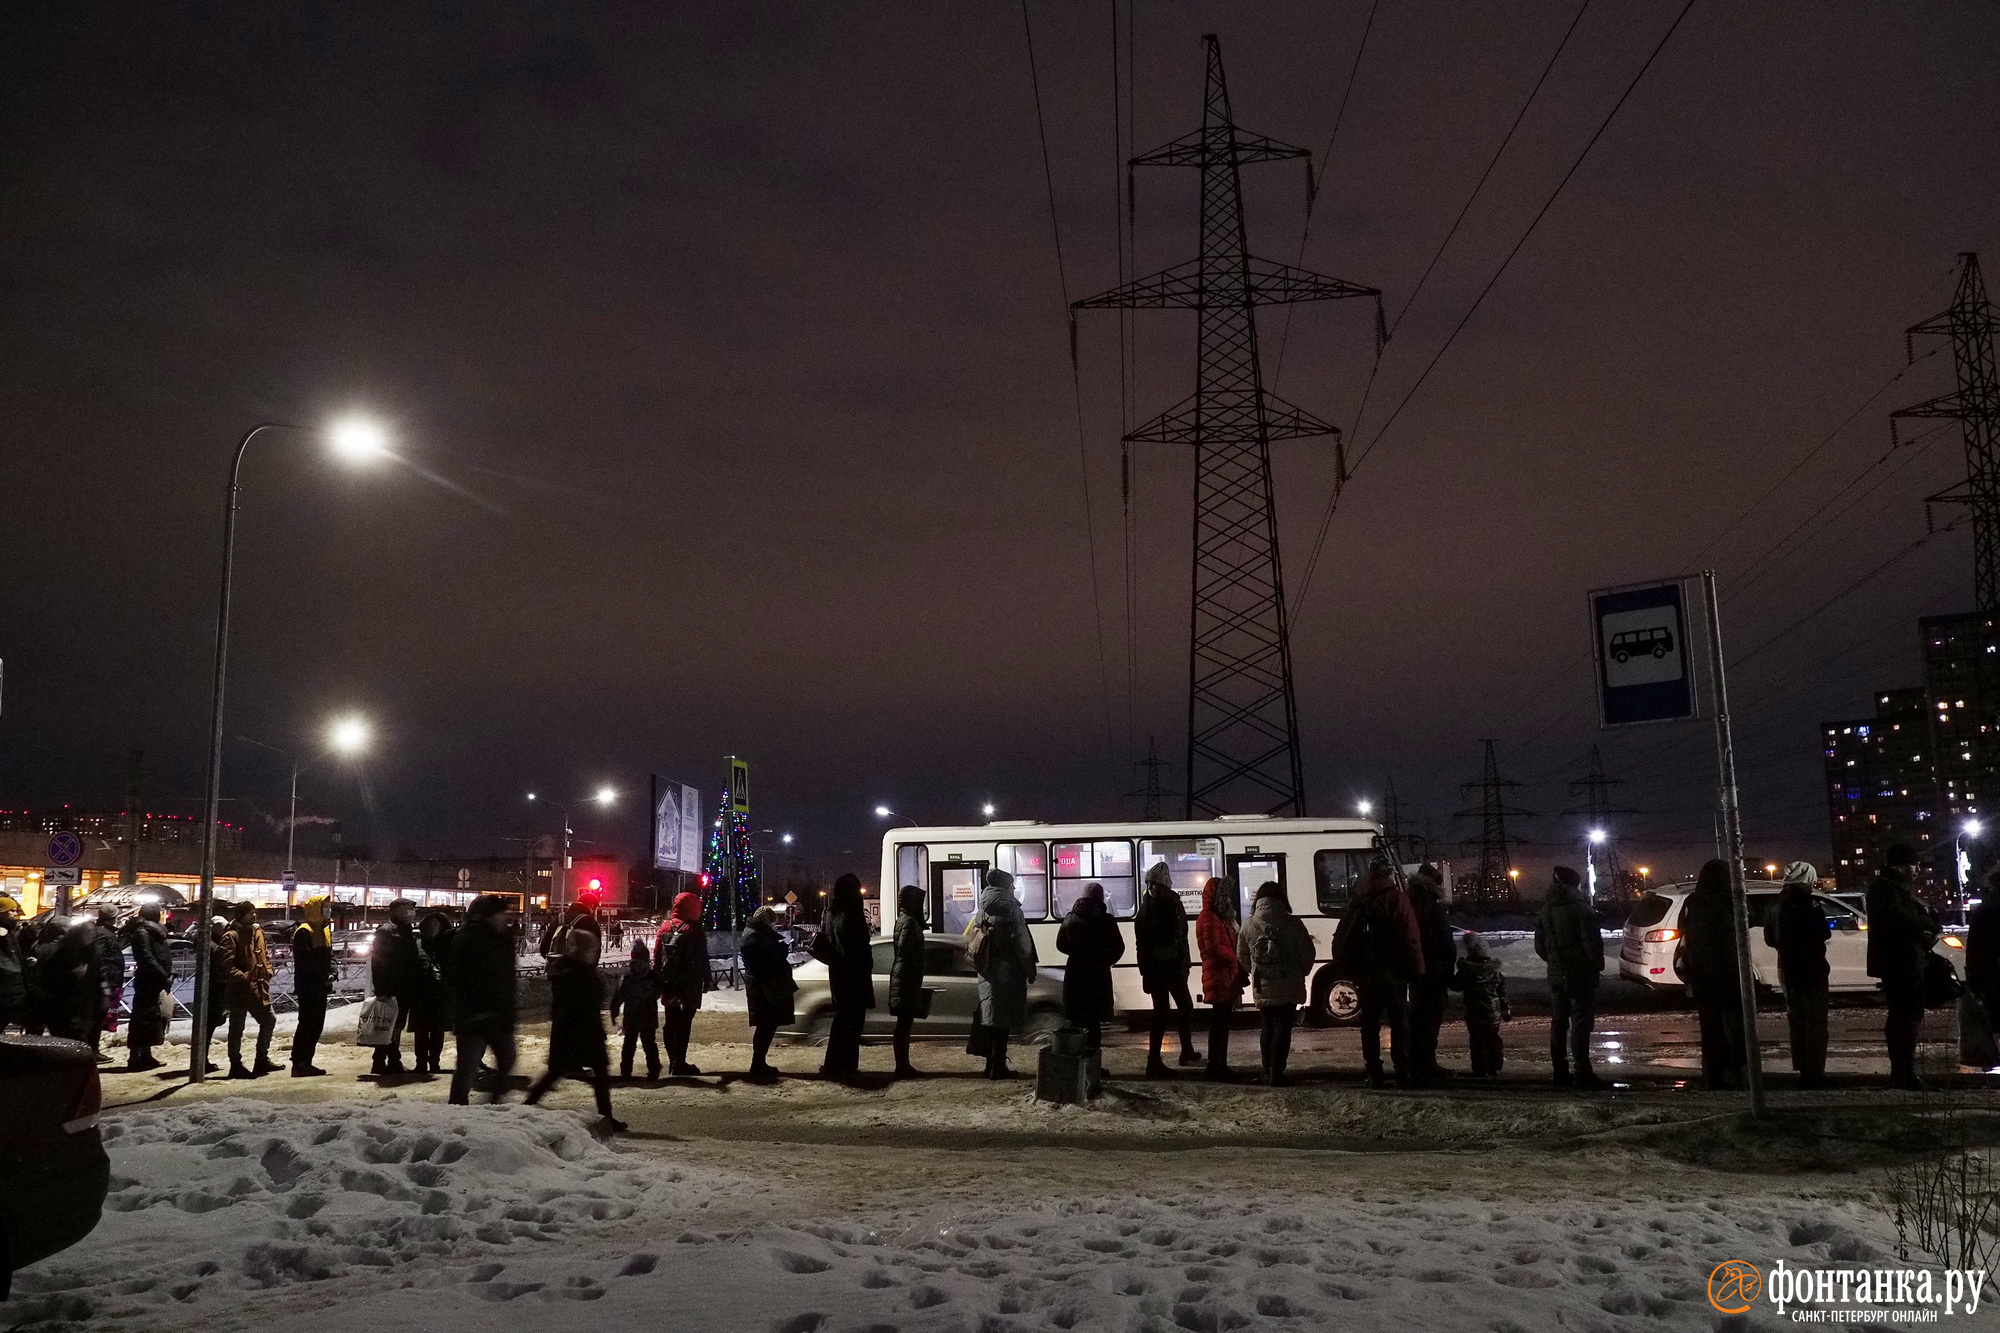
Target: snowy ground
<point>403,1215</point>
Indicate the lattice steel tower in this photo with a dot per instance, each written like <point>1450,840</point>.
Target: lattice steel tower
<point>1243,724</point>
<point>1970,324</point>
<point>1496,885</point>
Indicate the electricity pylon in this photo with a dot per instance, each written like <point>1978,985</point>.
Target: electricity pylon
<point>1243,723</point>
<point>1496,884</point>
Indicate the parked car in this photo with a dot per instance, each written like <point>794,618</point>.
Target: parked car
<point>53,1171</point>
<point>1651,949</point>
<point>947,971</point>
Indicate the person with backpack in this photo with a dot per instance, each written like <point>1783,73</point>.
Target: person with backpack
<point>1279,949</point>
<point>908,1000</point>
<point>637,996</point>
<point>1090,939</point>
<point>681,977</point>
<point>1479,979</point>
<point>842,945</point>
<point>1003,953</point>
<point>1429,993</point>
<point>1798,930</point>
<point>1377,946</point>
<point>1160,942</point>
<point>1222,973</point>
<point>767,989</point>
<point>1568,938</point>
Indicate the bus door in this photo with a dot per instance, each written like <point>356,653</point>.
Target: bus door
<point>1251,869</point>
<point>955,887</point>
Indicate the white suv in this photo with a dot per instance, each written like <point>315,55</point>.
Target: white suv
<point>1651,949</point>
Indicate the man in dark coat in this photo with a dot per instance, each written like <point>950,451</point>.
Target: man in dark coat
<point>1798,929</point>
<point>1901,932</point>
<point>1570,941</point>
<point>1707,964</point>
<point>768,989</point>
<point>108,942</point>
<point>908,1000</point>
<point>152,978</point>
<point>850,972</point>
<point>1379,948</point>
<point>576,1024</point>
<point>395,966</point>
<point>312,984</point>
<point>481,976</point>
<point>1429,992</point>
<point>1160,947</point>
<point>1092,942</point>
<point>1982,950</point>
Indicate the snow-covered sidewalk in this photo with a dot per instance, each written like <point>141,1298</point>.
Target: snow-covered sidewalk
<point>401,1214</point>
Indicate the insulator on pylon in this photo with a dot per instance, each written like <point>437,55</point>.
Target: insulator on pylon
<point>1909,350</point>
<point>1072,340</point>
<point>1381,329</point>
<point>1895,423</point>
<point>1125,474</point>
<point>1312,187</point>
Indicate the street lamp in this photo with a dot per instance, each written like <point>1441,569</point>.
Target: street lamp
<point>605,797</point>
<point>1970,829</point>
<point>1365,807</point>
<point>884,812</point>
<point>987,809</point>
<point>345,736</point>
<point>354,440</point>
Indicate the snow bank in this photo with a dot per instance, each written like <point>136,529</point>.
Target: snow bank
<point>403,1216</point>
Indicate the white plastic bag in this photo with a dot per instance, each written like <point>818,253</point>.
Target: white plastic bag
<point>377,1023</point>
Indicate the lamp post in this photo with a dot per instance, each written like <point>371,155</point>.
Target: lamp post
<point>356,440</point>
<point>1594,840</point>
<point>604,797</point>
<point>1970,829</point>
<point>345,736</point>
<point>884,812</point>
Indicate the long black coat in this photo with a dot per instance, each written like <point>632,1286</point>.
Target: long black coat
<point>767,977</point>
<point>1901,931</point>
<point>1798,930</point>
<point>482,978</point>
<point>1160,940</point>
<point>851,971</point>
<point>576,1015</point>
<point>1708,926</point>
<point>906,971</point>
<point>1982,949</point>
<point>396,962</point>
<point>152,976</point>
<point>1092,942</point>
<point>1434,930</point>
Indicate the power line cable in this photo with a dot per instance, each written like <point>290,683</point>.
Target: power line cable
<point>1076,387</point>
<point>1375,440</point>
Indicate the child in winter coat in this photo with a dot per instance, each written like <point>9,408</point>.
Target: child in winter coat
<point>1485,990</point>
<point>639,998</point>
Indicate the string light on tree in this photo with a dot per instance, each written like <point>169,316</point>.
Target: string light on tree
<point>728,842</point>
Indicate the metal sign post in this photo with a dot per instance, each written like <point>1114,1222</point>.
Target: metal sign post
<point>1732,827</point>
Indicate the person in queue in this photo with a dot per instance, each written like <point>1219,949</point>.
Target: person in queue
<point>13,966</point>
<point>1569,940</point>
<point>908,1000</point>
<point>1901,931</point>
<point>108,952</point>
<point>576,1024</point>
<point>481,978</point>
<point>1982,950</point>
<point>843,946</point>
<point>1479,979</point>
<point>248,971</point>
<point>1708,967</point>
<point>152,981</point>
<point>430,1005</point>
<point>1004,956</point>
<point>1280,951</point>
<point>1091,941</point>
<point>1429,992</point>
<point>768,989</point>
<point>1378,948</point>
<point>312,984</point>
<point>1216,929</point>
<point>394,962</point>
<point>218,986</point>
<point>680,971</point>
<point>1798,930</point>
<point>1160,945</point>
<point>637,998</point>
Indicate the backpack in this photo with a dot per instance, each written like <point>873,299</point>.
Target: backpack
<point>1360,944</point>
<point>979,945</point>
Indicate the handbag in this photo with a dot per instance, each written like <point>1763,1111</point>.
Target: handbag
<point>1976,1044</point>
<point>377,1024</point>
<point>1941,984</point>
<point>166,1006</point>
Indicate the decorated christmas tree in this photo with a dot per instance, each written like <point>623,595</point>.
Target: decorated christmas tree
<point>728,834</point>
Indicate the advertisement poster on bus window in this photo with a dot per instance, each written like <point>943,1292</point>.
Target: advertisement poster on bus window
<point>677,840</point>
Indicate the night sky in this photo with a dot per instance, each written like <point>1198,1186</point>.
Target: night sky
<point>726,348</point>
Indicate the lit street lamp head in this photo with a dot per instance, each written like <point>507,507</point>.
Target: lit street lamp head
<point>882,812</point>
<point>606,795</point>
<point>987,809</point>
<point>348,735</point>
<point>1973,828</point>
<point>1365,807</point>
<point>357,439</point>
<point>1597,835</point>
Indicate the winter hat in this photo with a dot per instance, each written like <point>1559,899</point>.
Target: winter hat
<point>1475,945</point>
<point>1159,877</point>
<point>999,879</point>
<point>1565,876</point>
<point>1431,873</point>
<point>1801,872</point>
<point>1270,888</point>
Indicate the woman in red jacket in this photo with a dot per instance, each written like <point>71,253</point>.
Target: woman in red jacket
<point>1215,932</point>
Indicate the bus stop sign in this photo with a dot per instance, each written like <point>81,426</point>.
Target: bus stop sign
<point>1641,648</point>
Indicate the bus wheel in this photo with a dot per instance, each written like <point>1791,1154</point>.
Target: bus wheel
<point>1333,1001</point>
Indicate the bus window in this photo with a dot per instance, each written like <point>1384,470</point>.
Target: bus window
<point>1334,877</point>
<point>1109,863</point>
<point>1028,863</point>
<point>1191,861</point>
<point>913,866</point>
